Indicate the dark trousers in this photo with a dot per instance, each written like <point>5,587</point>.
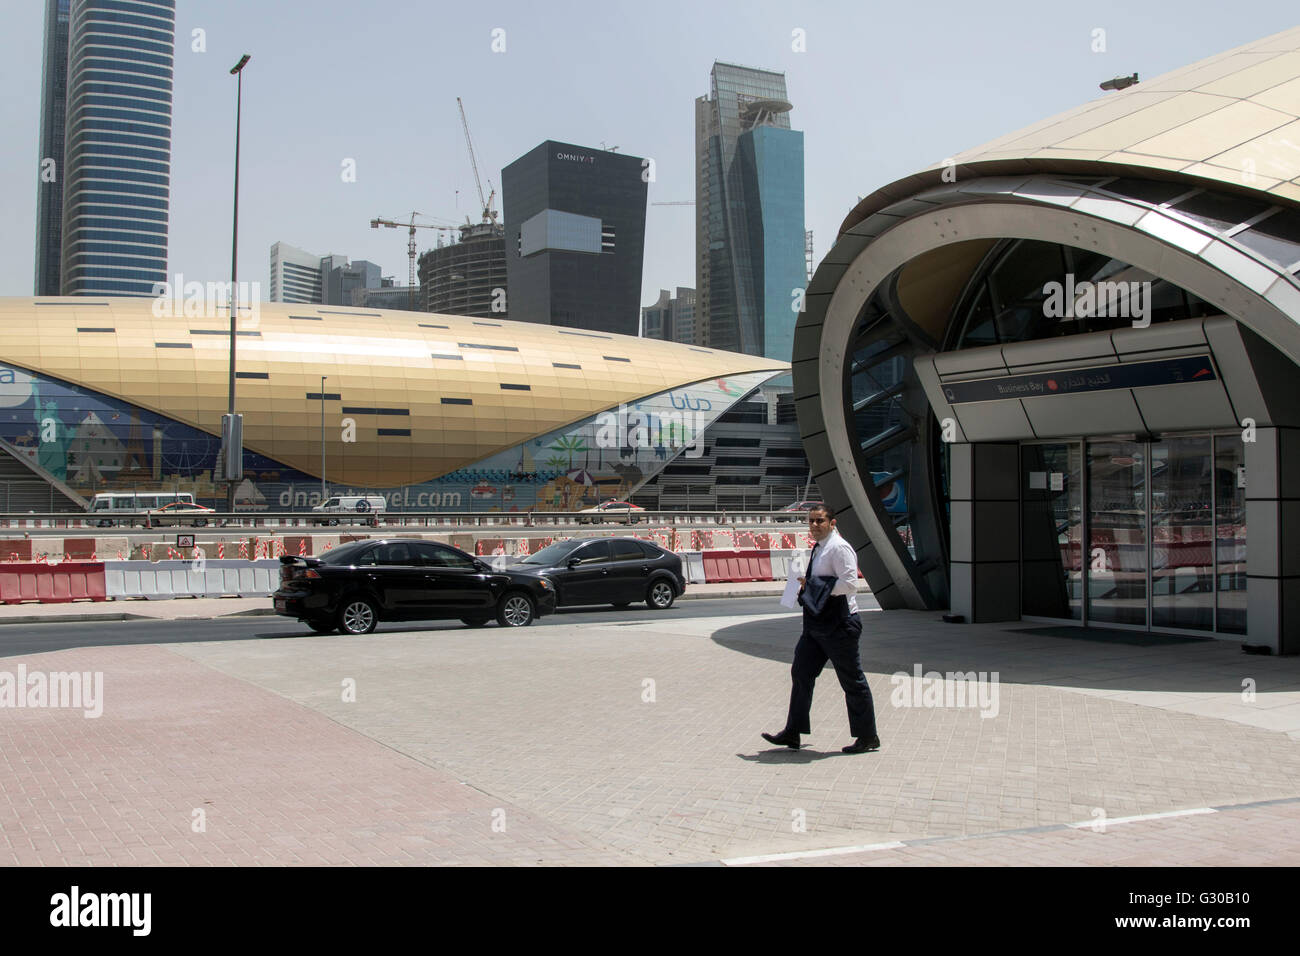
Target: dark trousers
<point>839,645</point>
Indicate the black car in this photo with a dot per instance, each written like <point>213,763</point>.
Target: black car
<point>357,585</point>
<point>615,571</point>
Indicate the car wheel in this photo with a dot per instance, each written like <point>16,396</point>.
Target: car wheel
<point>516,610</point>
<point>201,523</point>
<point>474,621</point>
<point>322,627</point>
<point>357,616</point>
<point>660,597</point>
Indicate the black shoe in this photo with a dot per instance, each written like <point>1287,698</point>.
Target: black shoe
<point>862,745</point>
<point>786,738</point>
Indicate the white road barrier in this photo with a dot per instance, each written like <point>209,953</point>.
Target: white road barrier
<point>163,580</point>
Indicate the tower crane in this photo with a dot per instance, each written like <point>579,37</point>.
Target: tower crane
<point>489,214</point>
<point>410,245</point>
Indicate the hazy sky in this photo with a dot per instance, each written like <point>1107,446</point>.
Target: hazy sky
<point>882,90</point>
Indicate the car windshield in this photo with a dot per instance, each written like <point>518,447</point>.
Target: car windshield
<point>344,554</point>
<point>554,553</point>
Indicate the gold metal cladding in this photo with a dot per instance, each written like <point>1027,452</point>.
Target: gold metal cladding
<point>383,366</point>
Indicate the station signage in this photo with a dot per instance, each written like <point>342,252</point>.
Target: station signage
<point>1099,378</point>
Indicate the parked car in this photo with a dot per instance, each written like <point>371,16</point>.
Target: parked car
<point>367,509</point>
<point>112,508</point>
<point>180,513</point>
<point>354,587</point>
<point>798,510</point>
<point>611,511</point>
<point>616,571</point>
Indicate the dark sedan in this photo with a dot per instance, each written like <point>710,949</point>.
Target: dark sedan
<point>615,571</point>
<point>357,585</point>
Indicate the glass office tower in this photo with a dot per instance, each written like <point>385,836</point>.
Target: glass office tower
<point>49,190</point>
<point>575,237</point>
<point>117,170</point>
<point>749,213</point>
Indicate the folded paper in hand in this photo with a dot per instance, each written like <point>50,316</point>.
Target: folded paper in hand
<point>790,596</point>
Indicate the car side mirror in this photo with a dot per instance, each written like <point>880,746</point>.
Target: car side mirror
<point>574,562</point>
<point>481,565</point>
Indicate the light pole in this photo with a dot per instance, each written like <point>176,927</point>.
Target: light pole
<point>322,438</point>
<point>229,433</point>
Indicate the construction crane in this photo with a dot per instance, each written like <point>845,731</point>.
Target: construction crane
<point>410,245</point>
<point>489,214</point>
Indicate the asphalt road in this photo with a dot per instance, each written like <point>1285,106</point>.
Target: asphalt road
<point>16,639</point>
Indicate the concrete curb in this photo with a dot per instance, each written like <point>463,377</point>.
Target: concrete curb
<point>127,616</point>
<point>73,618</point>
<point>697,596</point>
<point>265,611</point>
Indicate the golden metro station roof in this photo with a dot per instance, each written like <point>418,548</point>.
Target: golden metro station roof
<point>465,387</point>
<point>1232,119</point>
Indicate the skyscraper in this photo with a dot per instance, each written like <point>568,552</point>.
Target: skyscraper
<point>299,276</point>
<point>749,213</point>
<point>575,237</point>
<point>671,318</point>
<point>467,277</point>
<point>295,274</point>
<point>340,278</point>
<point>49,190</point>
<point>117,167</point>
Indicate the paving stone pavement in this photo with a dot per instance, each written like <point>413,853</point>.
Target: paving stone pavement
<point>274,782</point>
<point>1240,836</point>
<point>642,737</point>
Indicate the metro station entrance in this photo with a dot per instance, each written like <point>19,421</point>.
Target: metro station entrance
<point>1149,535</point>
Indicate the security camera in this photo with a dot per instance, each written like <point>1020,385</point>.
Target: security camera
<point>1120,82</point>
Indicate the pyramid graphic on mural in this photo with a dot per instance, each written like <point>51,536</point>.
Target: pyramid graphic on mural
<point>94,453</point>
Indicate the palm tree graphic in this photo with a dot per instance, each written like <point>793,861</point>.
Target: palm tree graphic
<point>569,444</point>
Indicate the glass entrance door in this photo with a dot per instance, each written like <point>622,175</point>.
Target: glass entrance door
<point>1138,534</point>
<point>1182,533</point>
<point>1117,532</point>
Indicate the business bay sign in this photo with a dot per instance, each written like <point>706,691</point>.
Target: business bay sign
<point>1102,378</point>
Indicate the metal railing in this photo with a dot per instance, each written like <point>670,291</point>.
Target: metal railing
<point>219,521</point>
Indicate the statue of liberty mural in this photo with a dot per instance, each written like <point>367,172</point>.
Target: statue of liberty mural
<point>52,435</point>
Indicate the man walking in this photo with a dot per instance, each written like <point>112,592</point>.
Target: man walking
<point>831,628</point>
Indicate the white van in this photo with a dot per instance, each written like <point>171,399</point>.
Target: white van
<point>367,508</point>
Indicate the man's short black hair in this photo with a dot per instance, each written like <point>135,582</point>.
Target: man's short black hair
<point>820,506</point>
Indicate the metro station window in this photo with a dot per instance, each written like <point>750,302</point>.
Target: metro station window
<point>1038,290</point>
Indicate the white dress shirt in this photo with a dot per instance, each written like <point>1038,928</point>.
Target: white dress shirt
<point>835,558</point>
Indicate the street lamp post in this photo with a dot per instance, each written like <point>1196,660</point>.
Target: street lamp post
<point>322,438</point>
<point>229,434</point>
